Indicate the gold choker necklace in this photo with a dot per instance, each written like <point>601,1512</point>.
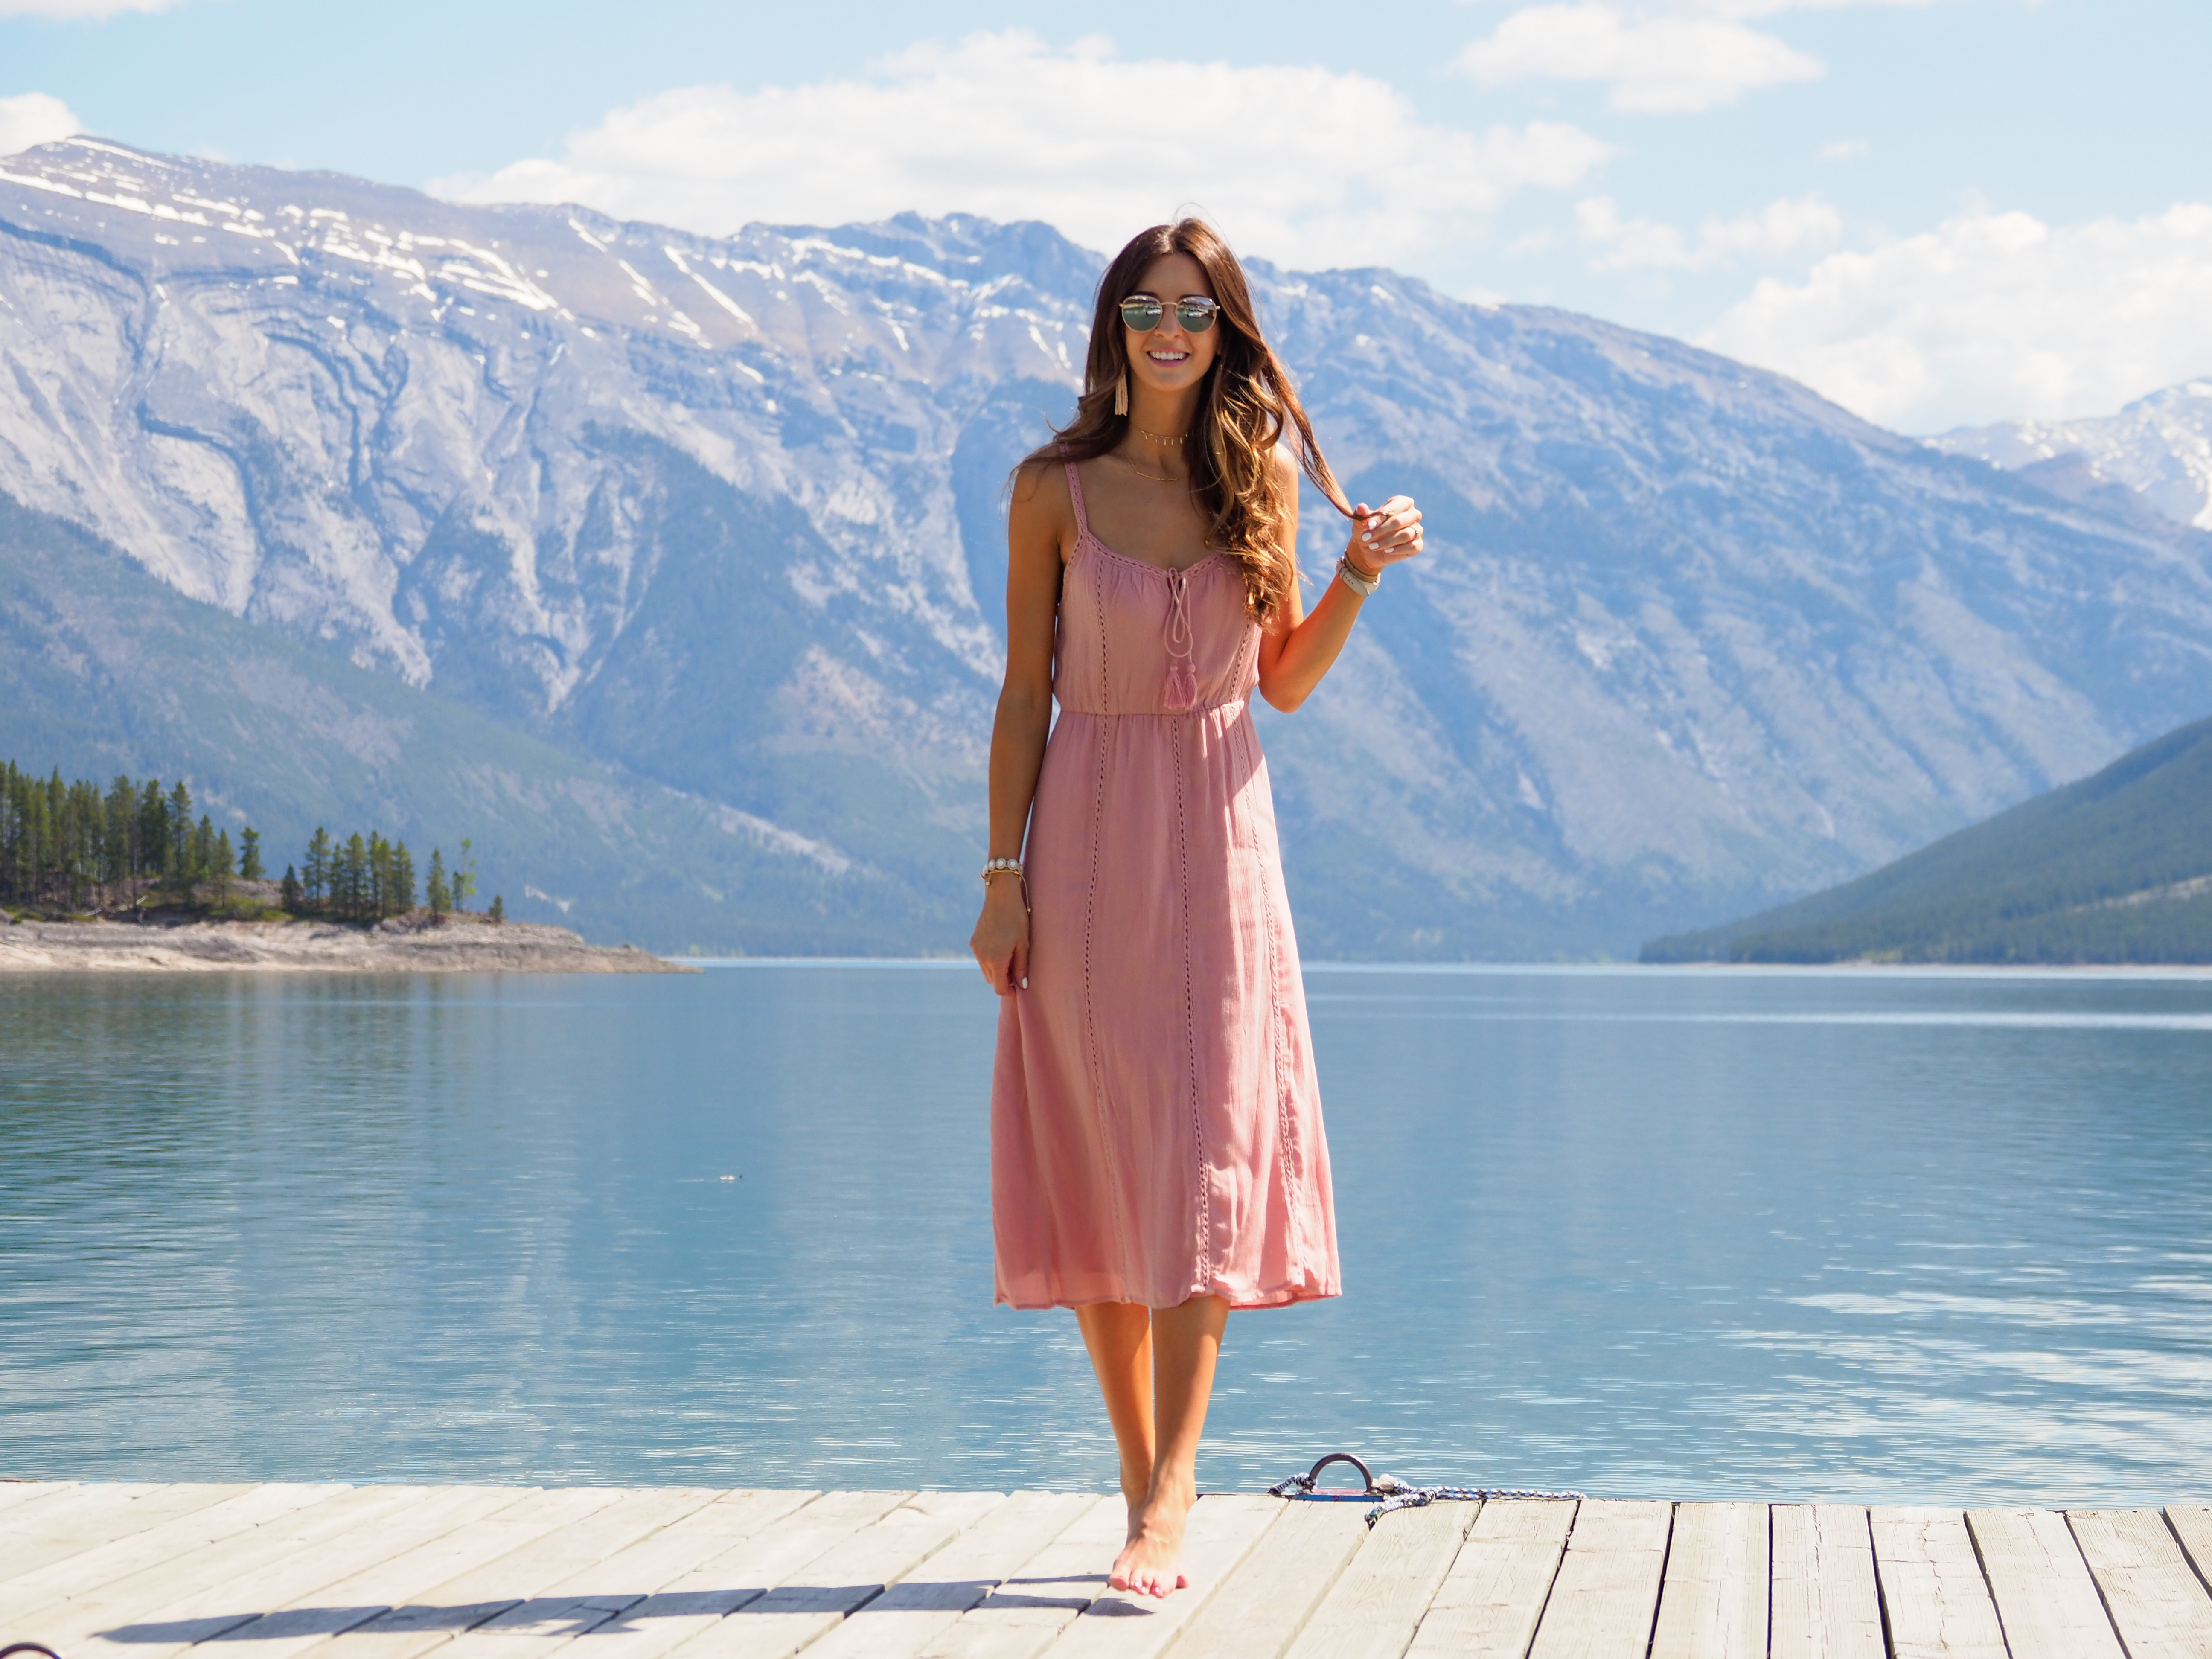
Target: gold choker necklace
<point>1161,438</point>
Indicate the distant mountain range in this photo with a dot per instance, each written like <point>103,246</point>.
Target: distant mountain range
<point>715,528</point>
<point>2153,455</point>
<point>2116,868</point>
<point>104,670</point>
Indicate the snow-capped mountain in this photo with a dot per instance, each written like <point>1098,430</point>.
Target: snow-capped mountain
<point>2160,447</point>
<point>728,513</point>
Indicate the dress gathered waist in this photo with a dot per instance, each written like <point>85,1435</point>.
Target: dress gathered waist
<point>1228,706</point>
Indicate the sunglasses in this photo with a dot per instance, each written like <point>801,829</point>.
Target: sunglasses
<point>1143,314</point>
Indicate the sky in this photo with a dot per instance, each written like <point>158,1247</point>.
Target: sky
<point>1936,212</point>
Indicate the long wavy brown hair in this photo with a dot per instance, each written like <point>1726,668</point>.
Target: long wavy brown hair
<point>1246,406</point>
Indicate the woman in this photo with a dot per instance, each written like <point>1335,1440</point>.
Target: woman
<point>1156,1137</point>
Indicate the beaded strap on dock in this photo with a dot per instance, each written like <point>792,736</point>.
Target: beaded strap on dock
<point>1388,1493</point>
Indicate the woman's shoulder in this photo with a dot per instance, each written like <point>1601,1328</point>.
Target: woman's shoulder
<point>1043,468</point>
<point>1040,495</point>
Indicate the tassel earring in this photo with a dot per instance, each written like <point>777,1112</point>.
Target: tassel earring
<point>1122,393</point>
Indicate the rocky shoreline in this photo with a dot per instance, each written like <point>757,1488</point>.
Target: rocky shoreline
<point>459,945</point>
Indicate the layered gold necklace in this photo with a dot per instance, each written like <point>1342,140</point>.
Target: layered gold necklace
<point>1159,440</point>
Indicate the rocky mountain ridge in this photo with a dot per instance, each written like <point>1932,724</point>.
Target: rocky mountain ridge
<point>728,514</point>
<point>2156,453</point>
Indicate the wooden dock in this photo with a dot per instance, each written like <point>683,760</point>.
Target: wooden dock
<point>481,1572</point>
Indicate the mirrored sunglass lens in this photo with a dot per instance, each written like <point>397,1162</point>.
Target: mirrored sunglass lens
<point>1196,315</point>
<point>1143,315</point>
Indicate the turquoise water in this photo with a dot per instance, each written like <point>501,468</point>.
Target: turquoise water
<point>1672,1233</point>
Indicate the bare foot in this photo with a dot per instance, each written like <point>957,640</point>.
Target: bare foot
<point>1151,1563</point>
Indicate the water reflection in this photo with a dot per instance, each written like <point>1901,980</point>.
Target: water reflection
<point>1867,1235</point>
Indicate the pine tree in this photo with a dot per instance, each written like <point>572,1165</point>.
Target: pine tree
<point>437,895</point>
<point>288,895</point>
<point>353,882</point>
<point>123,838</point>
<point>178,867</point>
<point>249,855</point>
<point>153,831</point>
<point>498,908</point>
<point>221,867</point>
<point>403,880</point>
<point>202,864</point>
<point>465,876</point>
<point>380,876</point>
<point>315,869</point>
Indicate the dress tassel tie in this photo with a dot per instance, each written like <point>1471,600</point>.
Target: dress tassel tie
<point>1179,692</point>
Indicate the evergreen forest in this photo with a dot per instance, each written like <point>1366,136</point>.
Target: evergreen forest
<point>2116,868</point>
<point>136,846</point>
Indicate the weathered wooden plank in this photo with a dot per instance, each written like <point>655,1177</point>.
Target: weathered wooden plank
<point>1489,1603</point>
<point>386,1521</point>
<point>1825,1603</point>
<point>653,1563</point>
<point>530,1629</point>
<point>1026,1613</point>
<point>1377,1601</point>
<point>504,1582</point>
<point>2192,1525</point>
<point>157,1547</point>
<point>1119,1625</point>
<point>391,1577</point>
<point>1936,1600</point>
<point>144,1597</point>
<point>837,1583</point>
<point>15,1493</point>
<point>2045,1598</point>
<point>926,1603</point>
<point>1263,1605</point>
<point>331,1592</point>
<point>2153,1595</point>
<point>703,1597</point>
<point>84,1496</point>
<point>82,1518</point>
<point>1713,1603</point>
<point>1605,1599</point>
<point>435,1591</point>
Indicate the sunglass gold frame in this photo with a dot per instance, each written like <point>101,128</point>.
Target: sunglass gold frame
<point>1195,311</point>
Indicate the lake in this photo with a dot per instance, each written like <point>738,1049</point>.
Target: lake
<point>1881,1236</point>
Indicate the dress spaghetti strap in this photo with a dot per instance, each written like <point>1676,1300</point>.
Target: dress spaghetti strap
<point>1075,494</point>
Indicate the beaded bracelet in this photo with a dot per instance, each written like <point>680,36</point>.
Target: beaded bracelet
<point>1001,867</point>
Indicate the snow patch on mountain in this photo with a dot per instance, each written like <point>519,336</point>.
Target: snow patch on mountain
<point>2159,446</point>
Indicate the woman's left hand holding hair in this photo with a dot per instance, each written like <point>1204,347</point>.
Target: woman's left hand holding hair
<point>1385,535</point>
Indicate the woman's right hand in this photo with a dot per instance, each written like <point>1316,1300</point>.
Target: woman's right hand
<point>1002,939</point>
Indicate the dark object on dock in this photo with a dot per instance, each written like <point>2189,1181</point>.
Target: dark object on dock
<point>1388,1493</point>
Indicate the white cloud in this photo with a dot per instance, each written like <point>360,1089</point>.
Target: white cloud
<point>1789,228</point>
<point>34,117</point>
<point>1662,63</point>
<point>79,7</point>
<point>1992,316</point>
<point>1304,165</point>
<point>1846,150</point>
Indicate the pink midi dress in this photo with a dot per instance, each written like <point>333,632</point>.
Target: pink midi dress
<point>1155,1129</point>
